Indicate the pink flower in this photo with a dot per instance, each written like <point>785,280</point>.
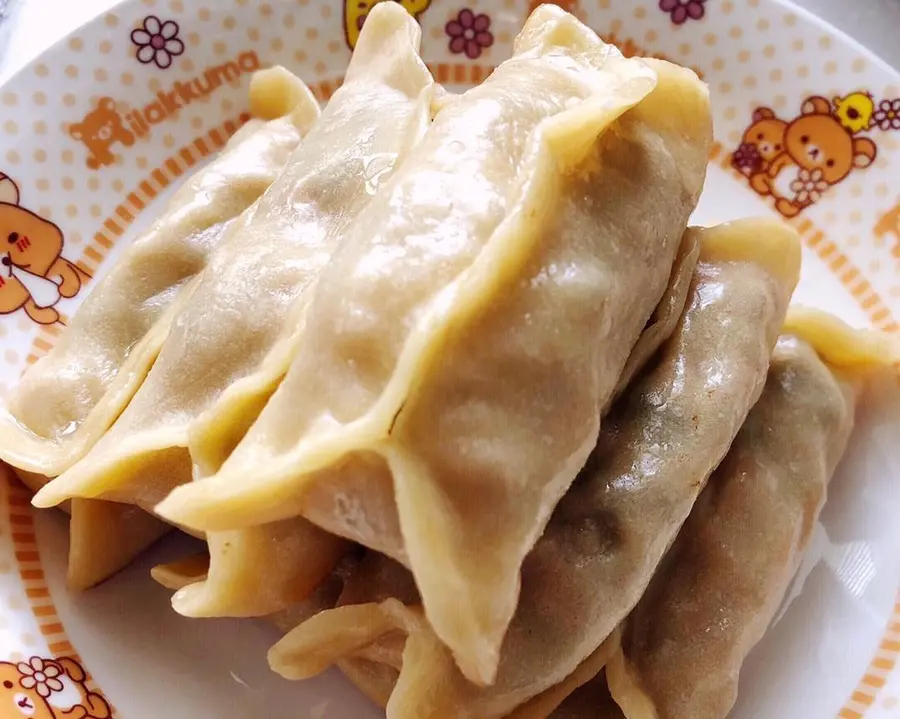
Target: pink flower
<point>157,42</point>
<point>469,33</point>
<point>887,116</point>
<point>40,676</point>
<point>683,10</point>
<point>809,186</point>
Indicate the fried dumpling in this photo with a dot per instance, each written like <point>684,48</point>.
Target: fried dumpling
<point>544,207</point>
<point>606,537</point>
<point>720,585</point>
<point>230,345</point>
<point>67,399</point>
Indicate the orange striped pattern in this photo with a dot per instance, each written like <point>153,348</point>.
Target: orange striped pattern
<point>840,264</point>
<point>460,73</point>
<point>31,572</point>
<point>124,214</point>
<point>43,343</point>
<point>878,671</point>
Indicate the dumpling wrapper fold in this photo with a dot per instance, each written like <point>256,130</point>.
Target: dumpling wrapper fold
<point>658,445</point>
<point>536,206</point>
<point>368,480</point>
<point>67,400</point>
<point>719,587</point>
<point>230,345</point>
<point>105,536</point>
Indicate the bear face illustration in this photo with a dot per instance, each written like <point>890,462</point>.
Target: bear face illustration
<point>33,273</point>
<point>762,142</point>
<point>818,152</point>
<point>817,140</point>
<point>99,130</point>
<point>356,12</point>
<point>48,689</point>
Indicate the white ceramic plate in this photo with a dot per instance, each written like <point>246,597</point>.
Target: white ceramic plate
<point>96,132</point>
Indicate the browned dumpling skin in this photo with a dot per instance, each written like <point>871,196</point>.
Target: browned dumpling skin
<point>607,535</point>
<point>720,585</point>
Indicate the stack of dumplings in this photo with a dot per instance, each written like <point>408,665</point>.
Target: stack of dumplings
<point>452,392</point>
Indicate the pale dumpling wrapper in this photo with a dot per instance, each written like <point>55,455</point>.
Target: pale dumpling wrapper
<point>67,399</point>
<point>719,587</point>
<point>610,531</point>
<point>400,330</point>
<point>372,511</point>
<point>231,343</point>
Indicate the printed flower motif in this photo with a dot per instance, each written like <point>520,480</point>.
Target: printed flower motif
<point>43,677</point>
<point>157,42</point>
<point>746,159</point>
<point>683,10</point>
<point>809,186</point>
<point>887,116</point>
<point>469,33</point>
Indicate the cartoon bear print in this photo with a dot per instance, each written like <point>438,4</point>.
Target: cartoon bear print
<point>49,689</point>
<point>356,12</point>
<point>99,130</point>
<point>818,152</point>
<point>33,273</point>
<point>762,142</point>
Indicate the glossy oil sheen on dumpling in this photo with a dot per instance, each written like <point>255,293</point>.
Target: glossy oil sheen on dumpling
<point>529,273</point>
<point>359,501</point>
<point>658,445</point>
<point>68,399</point>
<point>719,587</point>
<point>230,345</point>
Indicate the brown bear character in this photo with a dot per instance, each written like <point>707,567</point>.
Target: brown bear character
<point>33,273</point>
<point>762,142</point>
<point>99,130</point>
<point>48,689</point>
<point>818,153</point>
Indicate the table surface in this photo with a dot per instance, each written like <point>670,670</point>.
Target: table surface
<point>37,24</point>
